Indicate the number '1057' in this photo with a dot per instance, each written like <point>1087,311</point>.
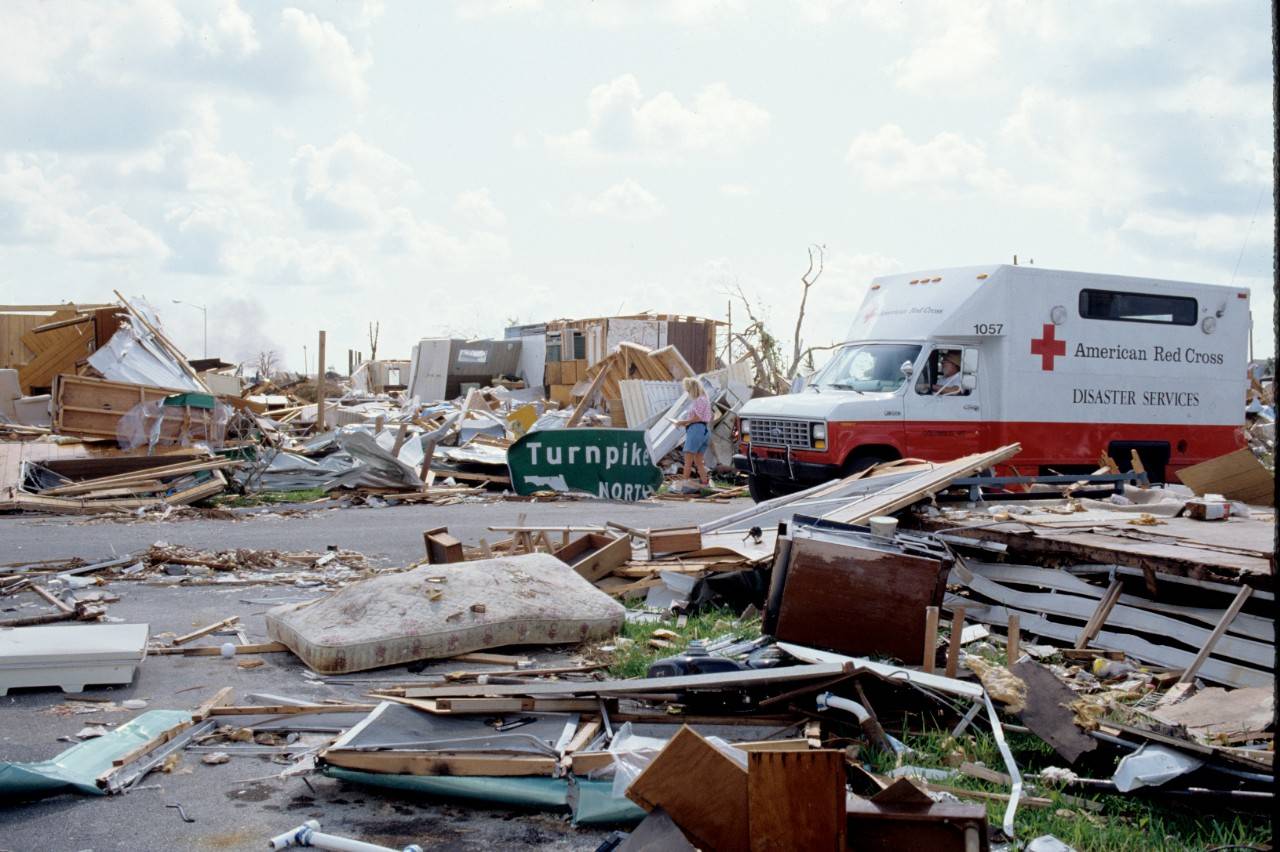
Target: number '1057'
<point>988,328</point>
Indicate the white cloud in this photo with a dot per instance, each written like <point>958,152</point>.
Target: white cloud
<point>477,207</point>
<point>736,190</point>
<point>964,47</point>
<point>350,184</point>
<point>1215,232</point>
<point>36,209</point>
<point>622,124</point>
<point>473,9</point>
<point>947,164</point>
<point>627,201</point>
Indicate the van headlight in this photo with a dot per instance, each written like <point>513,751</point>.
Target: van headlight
<point>819,436</point>
<point>744,429</point>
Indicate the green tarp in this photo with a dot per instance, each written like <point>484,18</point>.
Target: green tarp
<point>78,767</point>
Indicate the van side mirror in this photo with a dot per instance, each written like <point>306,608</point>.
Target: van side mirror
<point>968,382</point>
<point>907,368</point>
<point>969,361</point>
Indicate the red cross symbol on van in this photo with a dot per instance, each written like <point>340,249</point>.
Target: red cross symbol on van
<point>1047,347</point>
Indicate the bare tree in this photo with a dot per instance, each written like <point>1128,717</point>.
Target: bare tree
<point>374,328</point>
<point>268,363</point>
<point>773,373</point>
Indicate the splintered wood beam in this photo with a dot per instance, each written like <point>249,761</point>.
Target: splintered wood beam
<point>205,631</point>
<point>1227,617</point>
<point>930,638</point>
<point>953,646</point>
<point>1090,631</point>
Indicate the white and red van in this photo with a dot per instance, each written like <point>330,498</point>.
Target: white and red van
<point>1069,364</point>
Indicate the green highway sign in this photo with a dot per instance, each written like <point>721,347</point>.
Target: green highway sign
<point>610,463</point>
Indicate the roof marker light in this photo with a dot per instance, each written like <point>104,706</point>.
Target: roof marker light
<point>982,276</point>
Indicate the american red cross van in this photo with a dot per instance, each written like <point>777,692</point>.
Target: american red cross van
<point>1069,364</point>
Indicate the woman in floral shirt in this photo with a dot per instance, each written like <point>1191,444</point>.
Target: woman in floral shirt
<point>697,423</point>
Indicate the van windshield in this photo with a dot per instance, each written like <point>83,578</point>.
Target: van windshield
<point>874,367</point>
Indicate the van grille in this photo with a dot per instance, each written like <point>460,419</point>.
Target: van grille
<point>781,433</point>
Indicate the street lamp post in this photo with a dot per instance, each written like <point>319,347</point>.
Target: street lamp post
<point>205,312</point>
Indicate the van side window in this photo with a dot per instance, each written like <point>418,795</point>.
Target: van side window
<point>1137,307</point>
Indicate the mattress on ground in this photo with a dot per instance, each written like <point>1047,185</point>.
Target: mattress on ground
<point>440,611</point>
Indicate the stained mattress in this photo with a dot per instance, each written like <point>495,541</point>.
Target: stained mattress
<point>438,611</point>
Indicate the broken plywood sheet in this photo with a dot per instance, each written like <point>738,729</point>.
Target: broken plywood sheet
<point>1047,712</point>
<point>444,610</point>
<point>851,500</point>
<point>1220,712</point>
<point>1236,476</point>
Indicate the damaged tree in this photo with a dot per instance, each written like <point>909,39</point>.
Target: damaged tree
<point>763,348</point>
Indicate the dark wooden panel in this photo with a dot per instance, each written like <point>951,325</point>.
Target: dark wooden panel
<point>858,601</point>
<point>796,800</point>
<point>704,791</point>
<point>690,339</point>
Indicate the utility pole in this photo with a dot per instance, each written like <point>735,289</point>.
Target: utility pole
<point>205,311</point>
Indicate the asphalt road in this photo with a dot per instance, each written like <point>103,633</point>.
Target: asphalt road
<point>393,532</point>
<point>232,810</point>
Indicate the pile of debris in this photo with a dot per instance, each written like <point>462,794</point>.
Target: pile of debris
<point>1121,624</point>
<point>101,413</point>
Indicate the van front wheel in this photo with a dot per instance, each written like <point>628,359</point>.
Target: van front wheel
<point>759,487</point>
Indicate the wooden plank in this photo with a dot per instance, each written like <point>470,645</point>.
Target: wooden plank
<point>149,746</point>
<point>754,677</point>
<point>918,487</point>
<point>438,763</point>
<point>954,641</point>
<point>1189,675</point>
<point>681,540</point>
<point>213,651</point>
<point>585,403</point>
<point>205,631</point>
<point>1100,615</point>
<point>1014,637</point>
<point>446,706</point>
<point>930,638</point>
<point>796,800</point>
<point>219,699</point>
<point>289,709</point>
<point>704,791</point>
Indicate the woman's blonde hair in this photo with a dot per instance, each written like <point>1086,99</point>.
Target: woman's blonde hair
<point>693,387</point>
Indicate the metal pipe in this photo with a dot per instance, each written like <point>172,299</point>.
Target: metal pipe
<point>848,705</point>
<point>309,834</point>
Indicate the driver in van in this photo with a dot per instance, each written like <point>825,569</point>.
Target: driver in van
<point>949,383</point>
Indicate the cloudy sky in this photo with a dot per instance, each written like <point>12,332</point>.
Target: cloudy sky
<point>446,167</point>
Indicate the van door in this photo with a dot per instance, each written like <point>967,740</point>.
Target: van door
<point>943,406</point>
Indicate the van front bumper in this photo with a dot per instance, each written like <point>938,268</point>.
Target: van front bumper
<point>797,471</point>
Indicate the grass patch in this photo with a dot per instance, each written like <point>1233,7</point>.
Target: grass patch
<point>267,498</point>
<point>633,657</point>
<point>1125,821</point>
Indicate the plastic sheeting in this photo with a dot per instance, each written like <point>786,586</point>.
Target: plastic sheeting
<point>590,801</point>
<point>78,767</point>
<point>133,355</point>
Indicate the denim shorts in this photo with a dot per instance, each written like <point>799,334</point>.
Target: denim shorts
<point>696,438</point>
